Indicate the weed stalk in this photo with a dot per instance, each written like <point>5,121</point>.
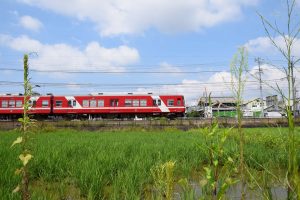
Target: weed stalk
<point>23,140</point>
<point>238,67</point>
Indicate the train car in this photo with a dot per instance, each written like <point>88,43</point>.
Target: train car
<point>97,105</point>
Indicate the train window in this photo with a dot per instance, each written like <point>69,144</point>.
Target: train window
<point>178,102</point>
<point>58,103</point>
<point>170,102</point>
<point>11,103</point>
<point>74,103</point>
<point>85,103</point>
<point>45,103</point>
<point>19,104</point>
<point>70,103</point>
<point>93,103</point>
<point>135,102</point>
<point>154,102</point>
<point>33,103</point>
<point>159,102</point>
<point>128,102</point>
<point>100,103</point>
<point>143,102</point>
<point>4,104</point>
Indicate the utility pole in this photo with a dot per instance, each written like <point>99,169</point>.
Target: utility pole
<point>205,105</point>
<point>260,71</point>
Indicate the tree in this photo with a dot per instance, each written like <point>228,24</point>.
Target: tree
<point>289,35</point>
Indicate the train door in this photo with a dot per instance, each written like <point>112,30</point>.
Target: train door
<point>114,102</point>
<point>51,104</point>
<point>156,102</point>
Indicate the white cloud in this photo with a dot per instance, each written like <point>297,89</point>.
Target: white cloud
<point>220,77</point>
<point>263,46</point>
<point>30,23</point>
<point>113,17</point>
<point>22,43</point>
<point>219,84</point>
<point>66,57</point>
<point>268,72</point>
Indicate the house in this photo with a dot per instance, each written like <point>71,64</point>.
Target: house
<point>272,101</point>
<point>274,106</point>
<point>253,108</point>
<point>220,106</point>
<point>254,105</point>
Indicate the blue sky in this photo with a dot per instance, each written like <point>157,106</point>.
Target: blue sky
<point>126,40</point>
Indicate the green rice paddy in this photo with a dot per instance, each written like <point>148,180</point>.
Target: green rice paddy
<point>72,164</point>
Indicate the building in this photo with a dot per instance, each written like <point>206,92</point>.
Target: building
<point>220,106</point>
<point>253,108</point>
<point>274,105</point>
<point>272,101</point>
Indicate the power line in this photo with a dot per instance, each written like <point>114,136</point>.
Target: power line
<point>115,72</point>
<point>148,65</point>
<point>125,71</point>
<point>192,91</point>
<point>133,84</point>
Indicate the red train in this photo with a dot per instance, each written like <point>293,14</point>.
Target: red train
<point>94,105</point>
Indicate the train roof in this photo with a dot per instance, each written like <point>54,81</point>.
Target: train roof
<point>96,94</point>
<point>130,93</point>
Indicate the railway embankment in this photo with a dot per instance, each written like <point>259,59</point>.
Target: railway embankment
<point>182,123</point>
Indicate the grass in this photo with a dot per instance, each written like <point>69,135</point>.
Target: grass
<point>116,164</point>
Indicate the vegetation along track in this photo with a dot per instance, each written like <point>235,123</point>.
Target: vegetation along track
<point>181,123</point>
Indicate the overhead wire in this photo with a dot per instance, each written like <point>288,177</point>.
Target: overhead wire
<point>115,72</point>
<point>141,70</point>
<point>135,84</point>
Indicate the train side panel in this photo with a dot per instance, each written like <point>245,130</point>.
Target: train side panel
<point>99,104</point>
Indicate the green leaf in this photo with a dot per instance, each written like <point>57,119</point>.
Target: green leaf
<point>18,171</point>
<point>207,170</point>
<point>184,183</point>
<point>208,173</point>
<point>230,159</point>
<point>215,162</point>
<point>223,139</point>
<point>25,158</point>
<point>214,130</point>
<point>222,191</point>
<point>17,189</point>
<point>17,141</point>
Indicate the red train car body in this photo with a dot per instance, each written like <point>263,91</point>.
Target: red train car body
<point>99,105</point>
